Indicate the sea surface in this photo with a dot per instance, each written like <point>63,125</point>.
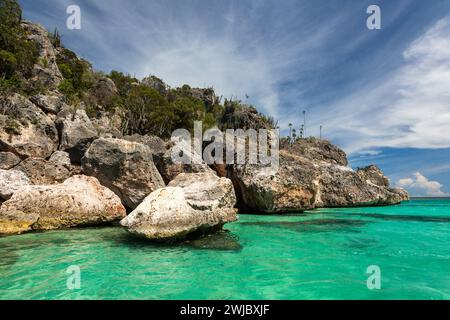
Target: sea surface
<point>323,254</point>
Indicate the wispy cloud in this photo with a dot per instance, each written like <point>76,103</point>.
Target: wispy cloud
<point>408,108</point>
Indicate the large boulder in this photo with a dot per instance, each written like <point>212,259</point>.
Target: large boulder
<point>76,132</point>
<point>292,188</point>
<point>125,167</point>
<point>169,165</point>
<point>8,160</point>
<point>157,145</point>
<point>205,190</point>
<point>79,201</point>
<point>25,129</point>
<point>41,171</point>
<point>166,214</point>
<point>11,181</point>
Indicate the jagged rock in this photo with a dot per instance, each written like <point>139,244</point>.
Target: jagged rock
<point>46,71</point>
<point>11,181</point>
<point>79,201</point>
<point>157,145</point>
<point>50,103</point>
<point>41,171</point>
<point>166,215</point>
<point>25,129</point>
<point>372,174</point>
<point>61,158</point>
<point>8,160</point>
<point>293,188</point>
<point>317,149</point>
<point>107,126</point>
<point>76,132</point>
<point>103,90</point>
<point>125,167</point>
<point>170,169</point>
<point>311,180</point>
<point>206,191</point>
<point>155,83</point>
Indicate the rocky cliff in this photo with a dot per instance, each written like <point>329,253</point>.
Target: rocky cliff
<point>66,158</point>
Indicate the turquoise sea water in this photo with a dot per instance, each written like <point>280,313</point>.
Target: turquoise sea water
<point>323,254</point>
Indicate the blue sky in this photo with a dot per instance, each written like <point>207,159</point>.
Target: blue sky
<point>382,95</point>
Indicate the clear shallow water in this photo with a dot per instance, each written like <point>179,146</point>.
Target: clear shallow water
<point>319,255</point>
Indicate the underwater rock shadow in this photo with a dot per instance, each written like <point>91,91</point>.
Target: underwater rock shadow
<point>315,225</point>
<point>218,241</point>
<point>398,217</point>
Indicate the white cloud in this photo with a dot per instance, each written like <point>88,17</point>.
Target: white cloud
<point>408,108</point>
<point>421,185</point>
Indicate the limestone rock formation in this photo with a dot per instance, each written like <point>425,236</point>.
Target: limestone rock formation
<point>25,128</point>
<point>76,132</point>
<point>166,214</point>
<point>46,71</point>
<point>79,201</point>
<point>170,169</point>
<point>125,167</point>
<point>41,171</point>
<point>11,181</point>
<point>49,103</point>
<point>311,175</point>
<point>205,190</point>
<point>8,160</point>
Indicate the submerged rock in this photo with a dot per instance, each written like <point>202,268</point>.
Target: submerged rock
<point>125,167</point>
<point>79,201</point>
<point>166,215</point>
<point>11,181</point>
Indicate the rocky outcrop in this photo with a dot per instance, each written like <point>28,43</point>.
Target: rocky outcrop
<point>11,181</point>
<point>79,201</point>
<point>61,158</point>
<point>49,103</point>
<point>373,175</point>
<point>102,91</point>
<point>308,178</point>
<point>170,169</point>
<point>206,191</point>
<point>316,149</point>
<point>185,207</point>
<point>25,128</point>
<point>8,160</point>
<point>41,171</point>
<point>45,72</point>
<point>76,132</point>
<point>157,145</point>
<point>125,167</point>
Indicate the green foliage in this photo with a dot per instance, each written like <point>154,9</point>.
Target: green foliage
<point>17,54</point>
<point>76,72</point>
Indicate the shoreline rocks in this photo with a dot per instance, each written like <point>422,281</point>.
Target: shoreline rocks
<point>125,167</point>
<point>78,201</point>
<point>185,207</point>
